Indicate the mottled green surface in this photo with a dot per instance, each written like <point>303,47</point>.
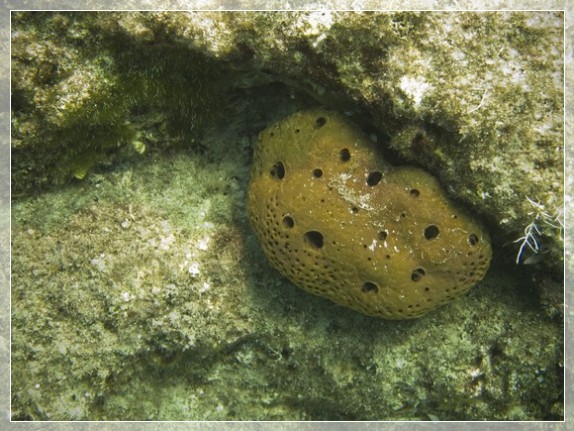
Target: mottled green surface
<point>140,292</point>
<point>475,97</point>
<point>85,92</point>
<point>126,308</point>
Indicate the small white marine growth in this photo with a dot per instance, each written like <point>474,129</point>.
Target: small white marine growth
<point>541,220</point>
<point>415,88</point>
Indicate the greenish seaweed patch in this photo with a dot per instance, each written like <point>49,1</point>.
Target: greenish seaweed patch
<point>124,85</point>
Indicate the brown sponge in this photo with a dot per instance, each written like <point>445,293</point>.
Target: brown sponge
<point>340,222</point>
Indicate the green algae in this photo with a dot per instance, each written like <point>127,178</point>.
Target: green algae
<point>114,83</point>
<point>141,293</point>
<point>484,87</point>
<point>181,319</point>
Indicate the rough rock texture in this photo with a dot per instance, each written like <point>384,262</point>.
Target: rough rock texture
<point>140,292</point>
<point>128,303</point>
<point>334,217</point>
<point>85,93</point>
<point>474,97</point>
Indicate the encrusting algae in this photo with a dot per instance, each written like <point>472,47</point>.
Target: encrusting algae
<point>340,222</point>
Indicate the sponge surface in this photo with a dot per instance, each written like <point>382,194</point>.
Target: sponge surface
<point>340,222</point>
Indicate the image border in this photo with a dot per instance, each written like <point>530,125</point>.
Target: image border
<point>8,5</point>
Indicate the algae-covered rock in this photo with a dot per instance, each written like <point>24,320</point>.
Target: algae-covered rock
<point>79,105</point>
<point>475,98</point>
<point>340,222</point>
<point>140,292</point>
<point>130,304</point>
